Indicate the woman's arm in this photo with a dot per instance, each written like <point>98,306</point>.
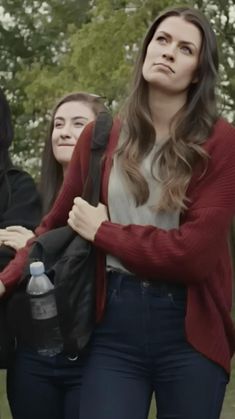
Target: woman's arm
<point>190,252</point>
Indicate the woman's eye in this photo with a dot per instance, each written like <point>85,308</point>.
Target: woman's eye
<point>79,124</point>
<point>161,39</point>
<point>186,49</point>
<point>58,125</point>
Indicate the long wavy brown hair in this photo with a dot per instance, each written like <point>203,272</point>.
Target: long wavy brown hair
<point>52,171</point>
<point>189,128</point>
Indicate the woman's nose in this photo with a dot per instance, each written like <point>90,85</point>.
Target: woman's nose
<point>169,52</point>
<point>65,132</point>
<point>65,135</point>
<point>169,56</point>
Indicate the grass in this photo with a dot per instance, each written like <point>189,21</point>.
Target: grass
<point>4,409</point>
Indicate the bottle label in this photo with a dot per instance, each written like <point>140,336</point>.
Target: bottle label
<point>43,307</point>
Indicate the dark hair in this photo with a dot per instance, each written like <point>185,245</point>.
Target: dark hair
<point>6,133</point>
<point>189,128</point>
<point>52,171</point>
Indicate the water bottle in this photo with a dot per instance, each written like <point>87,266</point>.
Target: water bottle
<point>40,289</point>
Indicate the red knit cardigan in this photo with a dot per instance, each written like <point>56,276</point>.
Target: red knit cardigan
<point>196,254</point>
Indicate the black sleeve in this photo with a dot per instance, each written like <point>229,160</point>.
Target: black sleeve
<point>24,208</point>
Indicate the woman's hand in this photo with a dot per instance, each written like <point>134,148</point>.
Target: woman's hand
<point>86,219</point>
<point>2,288</point>
<point>15,236</point>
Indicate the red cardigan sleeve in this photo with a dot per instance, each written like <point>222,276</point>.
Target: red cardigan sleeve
<point>58,215</point>
<point>189,253</point>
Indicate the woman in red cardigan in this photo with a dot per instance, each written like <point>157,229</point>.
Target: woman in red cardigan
<point>161,234</point>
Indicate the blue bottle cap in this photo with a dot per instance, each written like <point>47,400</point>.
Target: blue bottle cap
<point>36,268</point>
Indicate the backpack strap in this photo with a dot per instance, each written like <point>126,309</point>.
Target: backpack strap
<point>100,136</point>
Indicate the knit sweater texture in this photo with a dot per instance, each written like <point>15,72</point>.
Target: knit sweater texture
<point>196,254</point>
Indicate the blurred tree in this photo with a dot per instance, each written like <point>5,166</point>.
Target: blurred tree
<point>81,45</point>
<point>32,32</point>
<point>221,13</point>
<point>99,58</point>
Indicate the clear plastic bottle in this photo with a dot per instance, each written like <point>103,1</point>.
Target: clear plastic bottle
<point>44,311</point>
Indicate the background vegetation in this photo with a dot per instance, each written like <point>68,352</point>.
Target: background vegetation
<point>53,47</point>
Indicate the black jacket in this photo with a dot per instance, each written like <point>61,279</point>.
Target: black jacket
<point>19,205</point>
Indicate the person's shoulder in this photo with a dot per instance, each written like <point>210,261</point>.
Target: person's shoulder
<point>18,172</point>
<point>16,175</point>
<point>223,128</point>
<point>222,137</point>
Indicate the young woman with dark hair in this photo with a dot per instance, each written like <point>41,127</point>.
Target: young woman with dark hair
<point>55,162</point>
<point>42,386</point>
<point>160,233</point>
<point>79,108</point>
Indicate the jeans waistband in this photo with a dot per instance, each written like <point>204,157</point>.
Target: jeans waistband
<point>119,280</point>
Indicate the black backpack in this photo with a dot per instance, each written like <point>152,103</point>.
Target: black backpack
<point>70,263</point>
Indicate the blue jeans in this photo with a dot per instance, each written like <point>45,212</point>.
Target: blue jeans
<point>40,387</point>
<point>139,349</point>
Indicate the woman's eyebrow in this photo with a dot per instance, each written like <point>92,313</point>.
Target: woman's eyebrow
<point>80,117</point>
<point>61,118</point>
<point>181,41</point>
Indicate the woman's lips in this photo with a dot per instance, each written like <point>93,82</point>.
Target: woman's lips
<point>165,66</point>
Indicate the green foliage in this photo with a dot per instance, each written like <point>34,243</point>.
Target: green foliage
<point>33,35</point>
<point>58,47</point>
<point>221,14</point>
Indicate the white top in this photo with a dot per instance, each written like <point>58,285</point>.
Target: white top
<point>123,209</point>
